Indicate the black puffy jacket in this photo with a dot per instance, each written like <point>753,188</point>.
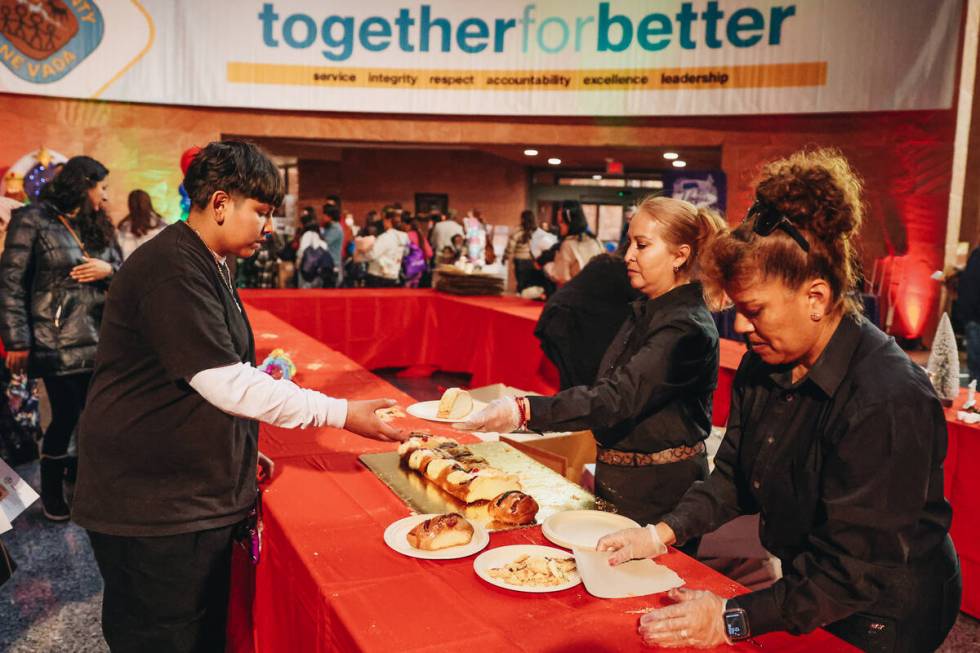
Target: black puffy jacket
<point>42,308</point>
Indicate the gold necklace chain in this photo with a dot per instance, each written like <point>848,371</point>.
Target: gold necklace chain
<point>221,266</point>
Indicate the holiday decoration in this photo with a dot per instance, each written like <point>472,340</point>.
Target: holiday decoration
<point>944,362</point>
<point>185,203</point>
<point>37,178</point>
<point>13,186</point>
<point>25,178</point>
<point>278,365</point>
<point>187,157</point>
<point>185,162</point>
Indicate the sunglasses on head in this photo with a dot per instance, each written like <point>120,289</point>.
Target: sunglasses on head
<point>767,221</point>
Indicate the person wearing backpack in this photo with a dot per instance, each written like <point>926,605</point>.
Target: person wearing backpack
<point>316,266</point>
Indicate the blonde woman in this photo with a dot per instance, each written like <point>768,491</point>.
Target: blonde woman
<point>650,405</point>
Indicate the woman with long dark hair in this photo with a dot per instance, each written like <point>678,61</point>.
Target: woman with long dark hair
<point>54,273</point>
<point>140,225</point>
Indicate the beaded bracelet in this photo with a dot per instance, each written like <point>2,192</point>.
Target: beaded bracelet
<point>522,409</point>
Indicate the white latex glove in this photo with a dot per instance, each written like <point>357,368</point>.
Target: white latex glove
<point>632,544</point>
<point>500,416</point>
<point>696,620</point>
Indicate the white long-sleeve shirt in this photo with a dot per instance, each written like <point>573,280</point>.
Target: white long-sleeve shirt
<point>244,391</point>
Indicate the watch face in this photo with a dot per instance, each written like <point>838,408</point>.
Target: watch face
<point>736,626</point>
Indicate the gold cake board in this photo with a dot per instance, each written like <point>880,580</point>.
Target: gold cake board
<point>553,492</point>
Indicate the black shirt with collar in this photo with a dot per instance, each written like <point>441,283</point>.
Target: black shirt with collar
<point>155,458</point>
<point>655,382</point>
<point>845,468</point>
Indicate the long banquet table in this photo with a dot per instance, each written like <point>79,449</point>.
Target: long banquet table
<point>328,582</point>
<point>493,339</point>
<point>962,486</point>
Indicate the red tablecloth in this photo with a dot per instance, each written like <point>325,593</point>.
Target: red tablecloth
<point>962,488</point>
<point>328,582</point>
<point>491,338</point>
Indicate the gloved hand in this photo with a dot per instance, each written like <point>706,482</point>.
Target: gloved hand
<point>696,620</point>
<point>500,416</point>
<point>632,544</point>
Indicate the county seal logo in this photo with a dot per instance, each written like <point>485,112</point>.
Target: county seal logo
<point>41,41</point>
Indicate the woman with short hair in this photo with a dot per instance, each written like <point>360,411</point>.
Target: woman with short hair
<point>835,438</point>
<point>168,443</point>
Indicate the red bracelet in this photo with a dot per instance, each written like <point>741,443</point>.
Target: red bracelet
<point>522,410</point>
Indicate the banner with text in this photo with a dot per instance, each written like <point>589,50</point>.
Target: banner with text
<point>507,57</point>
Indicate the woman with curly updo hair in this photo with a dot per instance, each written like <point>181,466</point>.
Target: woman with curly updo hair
<point>835,438</point>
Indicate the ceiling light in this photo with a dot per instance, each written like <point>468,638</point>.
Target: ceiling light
<point>670,156</point>
<point>597,177</point>
<point>555,162</point>
<point>530,152</point>
<point>680,164</point>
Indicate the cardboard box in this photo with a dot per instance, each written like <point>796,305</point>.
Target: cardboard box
<point>566,453</point>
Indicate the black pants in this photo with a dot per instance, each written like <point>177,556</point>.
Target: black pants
<point>67,397</point>
<point>917,609</point>
<point>166,594</point>
<point>374,281</point>
<point>645,494</point>
<point>527,274</point>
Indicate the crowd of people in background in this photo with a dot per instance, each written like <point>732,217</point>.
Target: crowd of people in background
<point>390,248</point>
<point>393,248</point>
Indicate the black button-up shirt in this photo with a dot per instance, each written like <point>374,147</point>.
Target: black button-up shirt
<point>845,468</point>
<point>655,382</point>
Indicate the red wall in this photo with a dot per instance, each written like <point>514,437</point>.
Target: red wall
<point>905,160</point>
<point>369,179</point>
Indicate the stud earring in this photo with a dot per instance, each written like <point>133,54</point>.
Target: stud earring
<point>815,317</point>
<point>677,269</point>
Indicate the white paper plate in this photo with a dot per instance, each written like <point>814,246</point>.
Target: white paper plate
<point>633,578</point>
<point>583,528</point>
<point>395,537</point>
<point>499,557</point>
<point>429,410</point>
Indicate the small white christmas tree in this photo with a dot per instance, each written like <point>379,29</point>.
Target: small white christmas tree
<point>944,362</point>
